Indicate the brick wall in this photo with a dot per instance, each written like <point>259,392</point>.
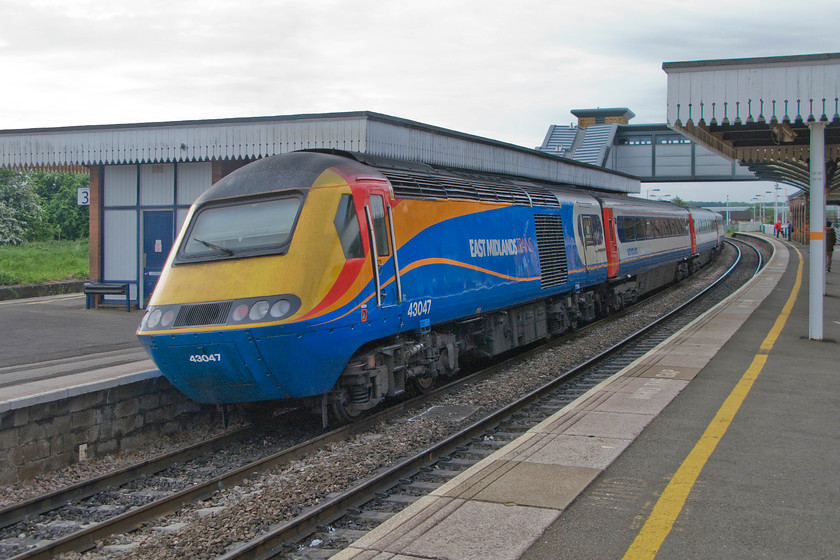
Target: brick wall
<point>52,435</point>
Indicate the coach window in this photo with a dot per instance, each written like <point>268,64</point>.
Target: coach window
<point>380,228</point>
<point>619,228</point>
<point>586,230</point>
<point>347,226</point>
<point>590,230</point>
<point>597,230</point>
<point>640,229</point>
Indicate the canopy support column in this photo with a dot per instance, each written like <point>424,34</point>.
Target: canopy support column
<point>816,286</point>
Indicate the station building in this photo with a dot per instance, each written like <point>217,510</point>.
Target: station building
<point>655,153</point>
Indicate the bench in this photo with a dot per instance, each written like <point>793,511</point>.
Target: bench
<point>93,289</point>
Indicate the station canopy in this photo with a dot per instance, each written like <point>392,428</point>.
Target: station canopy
<point>245,139</point>
<point>759,111</point>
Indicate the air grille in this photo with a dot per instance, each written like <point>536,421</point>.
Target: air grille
<point>552,250</point>
<point>420,185</point>
<point>203,314</point>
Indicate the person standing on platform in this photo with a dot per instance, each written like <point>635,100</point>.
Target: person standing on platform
<point>789,228</point>
<point>830,240</point>
<point>777,228</point>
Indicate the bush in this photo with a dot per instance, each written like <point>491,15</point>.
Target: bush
<point>20,209</point>
<point>64,218</point>
<point>40,206</point>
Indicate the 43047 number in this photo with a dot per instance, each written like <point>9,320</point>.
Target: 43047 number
<point>206,358</point>
<point>417,308</point>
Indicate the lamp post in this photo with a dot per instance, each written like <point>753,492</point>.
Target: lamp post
<point>727,210</point>
<point>768,200</point>
<point>776,190</point>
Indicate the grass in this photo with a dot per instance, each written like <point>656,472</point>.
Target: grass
<point>43,261</point>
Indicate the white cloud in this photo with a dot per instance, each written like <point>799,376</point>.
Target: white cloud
<point>493,68</point>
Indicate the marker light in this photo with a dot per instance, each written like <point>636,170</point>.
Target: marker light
<point>240,312</point>
<point>258,310</point>
<point>167,318</point>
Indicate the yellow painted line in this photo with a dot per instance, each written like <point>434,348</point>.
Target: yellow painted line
<point>661,520</point>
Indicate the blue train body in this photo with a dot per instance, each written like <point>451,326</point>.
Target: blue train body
<point>376,277</point>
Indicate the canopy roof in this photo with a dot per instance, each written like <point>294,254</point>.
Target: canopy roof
<point>758,110</point>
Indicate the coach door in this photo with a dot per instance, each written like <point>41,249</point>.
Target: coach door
<point>612,243</point>
<point>385,266</point>
<point>693,234</point>
<point>591,238</point>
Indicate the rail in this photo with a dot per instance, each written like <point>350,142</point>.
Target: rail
<point>267,544</point>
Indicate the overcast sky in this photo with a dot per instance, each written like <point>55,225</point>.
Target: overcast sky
<point>505,70</point>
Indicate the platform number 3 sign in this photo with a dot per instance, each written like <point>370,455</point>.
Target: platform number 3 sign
<point>83,196</point>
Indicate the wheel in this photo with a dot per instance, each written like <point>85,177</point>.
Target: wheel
<point>345,410</point>
<point>423,385</point>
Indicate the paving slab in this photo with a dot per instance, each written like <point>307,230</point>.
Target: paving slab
<point>464,533</point>
<point>643,396</point>
<point>610,425</point>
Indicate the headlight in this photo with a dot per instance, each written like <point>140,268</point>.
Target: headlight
<point>280,308</point>
<point>258,310</point>
<point>154,319</point>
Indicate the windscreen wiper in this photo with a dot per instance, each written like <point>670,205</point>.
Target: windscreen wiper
<point>214,246</point>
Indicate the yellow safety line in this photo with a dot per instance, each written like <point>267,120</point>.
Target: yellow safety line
<point>670,504</point>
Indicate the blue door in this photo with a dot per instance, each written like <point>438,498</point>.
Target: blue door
<point>158,235</point>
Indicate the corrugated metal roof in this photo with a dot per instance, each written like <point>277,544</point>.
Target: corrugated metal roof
<point>560,139</point>
<point>596,144</point>
<point>257,137</point>
<point>589,145</point>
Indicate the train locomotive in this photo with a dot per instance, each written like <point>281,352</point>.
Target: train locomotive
<point>339,279</point>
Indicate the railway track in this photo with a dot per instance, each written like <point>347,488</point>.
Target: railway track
<point>403,474</point>
<point>329,527</point>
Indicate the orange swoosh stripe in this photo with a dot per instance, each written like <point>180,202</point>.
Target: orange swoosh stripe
<point>426,262</point>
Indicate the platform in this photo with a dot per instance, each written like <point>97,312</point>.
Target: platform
<point>53,348</point>
<point>720,443</point>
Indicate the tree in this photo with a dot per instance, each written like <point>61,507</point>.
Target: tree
<point>20,209</point>
<point>57,191</point>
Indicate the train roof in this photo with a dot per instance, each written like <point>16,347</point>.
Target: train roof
<point>299,170</point>
<point>292,171</point>
<point>630,203</point>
